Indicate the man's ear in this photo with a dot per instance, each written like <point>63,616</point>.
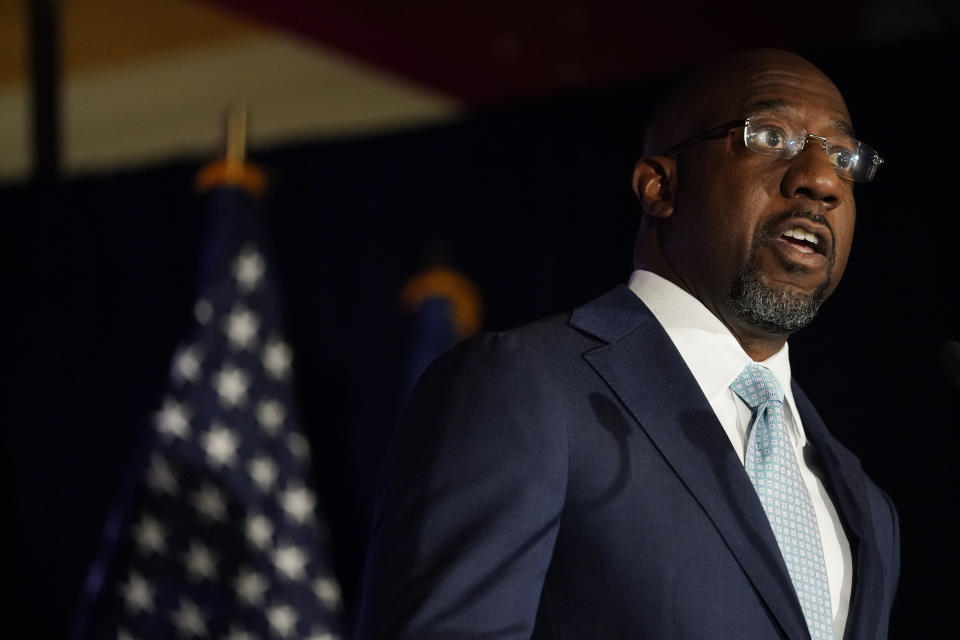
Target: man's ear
<point>653,182</point>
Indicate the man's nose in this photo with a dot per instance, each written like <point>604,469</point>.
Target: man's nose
<point>811,176</point>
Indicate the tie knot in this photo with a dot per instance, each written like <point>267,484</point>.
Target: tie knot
<point>757,384</point>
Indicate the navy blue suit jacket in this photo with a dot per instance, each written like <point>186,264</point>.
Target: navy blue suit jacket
<point>568,479</point>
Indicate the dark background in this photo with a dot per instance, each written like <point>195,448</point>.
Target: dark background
<point>532,201</point>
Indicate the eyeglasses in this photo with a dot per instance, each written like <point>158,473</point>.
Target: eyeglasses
<point>850,158</point>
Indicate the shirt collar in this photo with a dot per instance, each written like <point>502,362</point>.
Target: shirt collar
<point>711,352</point>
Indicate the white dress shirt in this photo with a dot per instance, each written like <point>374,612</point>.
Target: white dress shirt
<point>715,358</point>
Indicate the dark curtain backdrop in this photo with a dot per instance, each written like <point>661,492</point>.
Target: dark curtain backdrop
<point>533,203</point>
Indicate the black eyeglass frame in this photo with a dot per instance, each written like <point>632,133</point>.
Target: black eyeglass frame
<point>714,133</point>
<point>723,130</point>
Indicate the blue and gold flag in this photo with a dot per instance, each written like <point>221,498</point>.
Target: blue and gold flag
<point>445,307</point>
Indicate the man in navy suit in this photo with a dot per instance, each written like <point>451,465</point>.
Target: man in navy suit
<point>583,476</point>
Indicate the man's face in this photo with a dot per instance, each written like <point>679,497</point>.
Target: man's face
<point>734,238</point>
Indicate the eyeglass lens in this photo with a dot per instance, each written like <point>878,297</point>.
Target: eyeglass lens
<point>851,158</point>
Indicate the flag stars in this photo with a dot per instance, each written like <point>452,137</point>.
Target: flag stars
<point>221,445</point>
<point>290,561</point>
<point>259,531</point>
<point>283,620</point>
<point>187,364</point>
<point>189,619</point>
<point>298,503</point>
<point>231,385</point>
<point>264,472</point>
<point>248,269</point>
<point>173,419</point>
<point>150,536</point>
<point>200,562</point>
<point>203,311</point>
<point>210,503</point>
<point>236,372</point>
<point>270,415</point>
<point>299,446</point>
<point>328,592</point>
<point>241,328</point>
<point>160,476</point>
<point>137,594</point>
<point>236,633</point>
<point>250,587</point>
<point>277,358</point>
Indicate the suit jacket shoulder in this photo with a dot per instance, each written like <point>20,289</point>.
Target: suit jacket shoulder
<point>471,494</point>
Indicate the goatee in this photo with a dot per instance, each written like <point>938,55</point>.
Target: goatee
<point>770,308</point>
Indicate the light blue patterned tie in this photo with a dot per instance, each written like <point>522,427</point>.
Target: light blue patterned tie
<point>772,466</point>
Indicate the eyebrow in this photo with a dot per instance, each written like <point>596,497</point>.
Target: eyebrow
<point>782,106</point>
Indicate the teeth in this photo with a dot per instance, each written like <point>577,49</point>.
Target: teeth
<point>800,234</point>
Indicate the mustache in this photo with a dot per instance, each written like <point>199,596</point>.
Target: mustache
<point>766,231</point>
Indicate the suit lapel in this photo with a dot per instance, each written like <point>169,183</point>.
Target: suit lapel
<point>845,481</point>
<point>644,369</point>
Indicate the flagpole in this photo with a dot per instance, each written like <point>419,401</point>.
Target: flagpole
<point>232,168</point>
<point>45,89</point>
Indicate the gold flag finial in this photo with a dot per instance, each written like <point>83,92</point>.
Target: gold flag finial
<point>233,169</point>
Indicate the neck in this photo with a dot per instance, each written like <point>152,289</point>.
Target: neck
<point>757,347</point>
<point>757,344</point>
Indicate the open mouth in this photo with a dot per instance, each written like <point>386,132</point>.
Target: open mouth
<point>803,241</point>
<point>802,234</point>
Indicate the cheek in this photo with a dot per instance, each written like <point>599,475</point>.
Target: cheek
<point>725,211</point>
<point>740,213</point>
<point>844,238</point>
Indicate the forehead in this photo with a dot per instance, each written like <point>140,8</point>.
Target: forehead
<point>798,91</point>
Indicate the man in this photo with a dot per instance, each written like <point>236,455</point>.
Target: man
<point>645,467</point>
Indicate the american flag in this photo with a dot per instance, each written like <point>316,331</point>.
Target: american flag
<point>223,537</point>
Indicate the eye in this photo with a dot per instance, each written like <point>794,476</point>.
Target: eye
<point>841,157</point>
<point>769,138</point>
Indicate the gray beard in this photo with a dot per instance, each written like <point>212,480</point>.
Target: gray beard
<point>772,309</point>
<point>775,309</point>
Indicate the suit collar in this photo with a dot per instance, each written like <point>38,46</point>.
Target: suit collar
<point>647,374</point>
<point>611,316</point>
